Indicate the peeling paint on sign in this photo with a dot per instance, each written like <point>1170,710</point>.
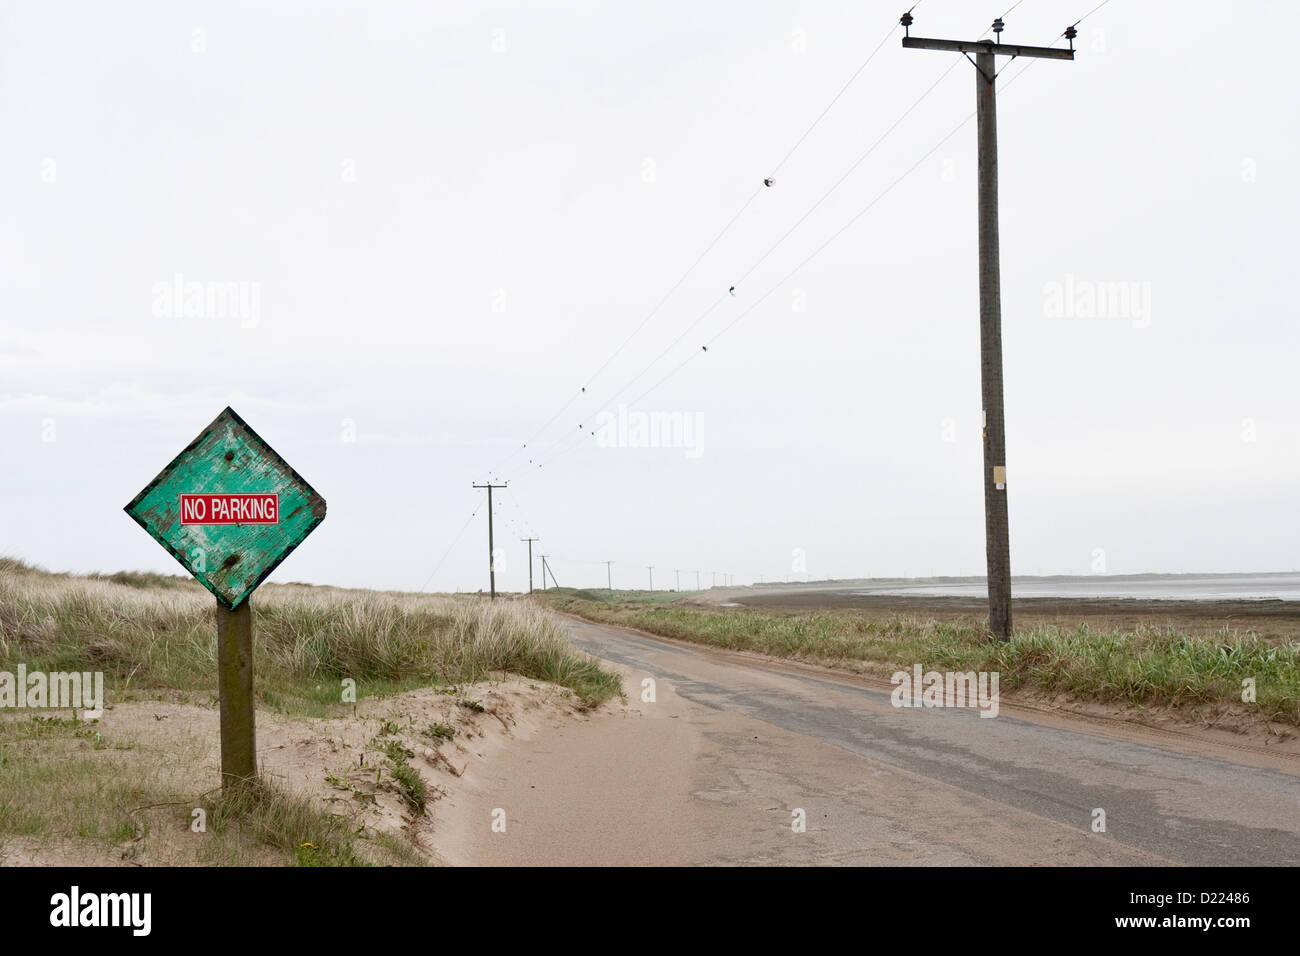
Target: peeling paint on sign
<point>244,509</point>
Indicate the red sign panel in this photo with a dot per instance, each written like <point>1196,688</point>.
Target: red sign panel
<point>230,509</point>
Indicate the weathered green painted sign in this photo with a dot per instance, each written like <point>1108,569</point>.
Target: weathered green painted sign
<point>228,508</point>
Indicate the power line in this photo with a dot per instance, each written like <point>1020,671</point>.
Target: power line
<point>1086,15</point>
<point>848,172</point>
<point>836,98</point>
<point>573,443</point>
<point>453,543</point>
<point>690,356</point>
<point>707,249</point>
<point>763,258</point>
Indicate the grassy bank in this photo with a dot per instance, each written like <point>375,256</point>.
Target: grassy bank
<point>154,638</point>
<point>1143,666</point>
<point>148,631</point>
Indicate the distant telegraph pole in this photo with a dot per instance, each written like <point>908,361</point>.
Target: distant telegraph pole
<point>492,571</point>
<point>996,533</point>
<point>530,565</point>
<point>651,569</point>
<point>609,579</point>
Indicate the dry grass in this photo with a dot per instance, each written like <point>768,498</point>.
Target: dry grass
<point>151,631</point>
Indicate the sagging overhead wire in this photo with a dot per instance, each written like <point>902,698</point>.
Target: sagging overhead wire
<point>690,356</point>
<point>571,444</point>
<point>459,534</point>
<point>546,454</point>
<point>768,182</point>
<point>953,132</point>
<point>834,99</point>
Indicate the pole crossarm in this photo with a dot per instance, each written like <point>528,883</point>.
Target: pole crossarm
<point>987,46</point>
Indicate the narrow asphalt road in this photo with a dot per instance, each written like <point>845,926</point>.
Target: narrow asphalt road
<point>732,753</point>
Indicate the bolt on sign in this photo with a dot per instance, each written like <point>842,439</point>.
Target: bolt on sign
<point>229,509</point>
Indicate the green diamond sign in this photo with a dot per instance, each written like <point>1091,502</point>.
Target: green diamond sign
<point>228,508</point>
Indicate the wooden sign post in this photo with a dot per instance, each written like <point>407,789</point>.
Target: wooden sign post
<point>229,509</point>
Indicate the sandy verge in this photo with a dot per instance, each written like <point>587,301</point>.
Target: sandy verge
<point>174,746</point>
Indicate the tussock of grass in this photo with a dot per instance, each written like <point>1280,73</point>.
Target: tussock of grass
<point>438,731</point>
<point>143,632</point>
<point>1143,666</point>
<point>262,814</point>
<point>410,785</point>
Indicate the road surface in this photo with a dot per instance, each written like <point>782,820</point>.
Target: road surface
<point>734,749</point>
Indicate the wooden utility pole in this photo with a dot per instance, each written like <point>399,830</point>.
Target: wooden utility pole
<point>492,570</point>
<point>545,569</point>
<point>609,579</point>
<point>997,543</point>
<point>650,568</point>
<point>530,565</point>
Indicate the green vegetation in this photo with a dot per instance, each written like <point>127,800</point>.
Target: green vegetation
<point>264,815</point>
<point>409,783</point>
<point>1142,666</point>
<point>438,731</point>
<point>51,778</point>
<point>152,631</point>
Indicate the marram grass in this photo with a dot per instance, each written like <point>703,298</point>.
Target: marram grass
<point>151,631</point>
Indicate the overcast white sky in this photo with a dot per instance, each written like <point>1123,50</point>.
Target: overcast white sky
<point>447,216</point>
